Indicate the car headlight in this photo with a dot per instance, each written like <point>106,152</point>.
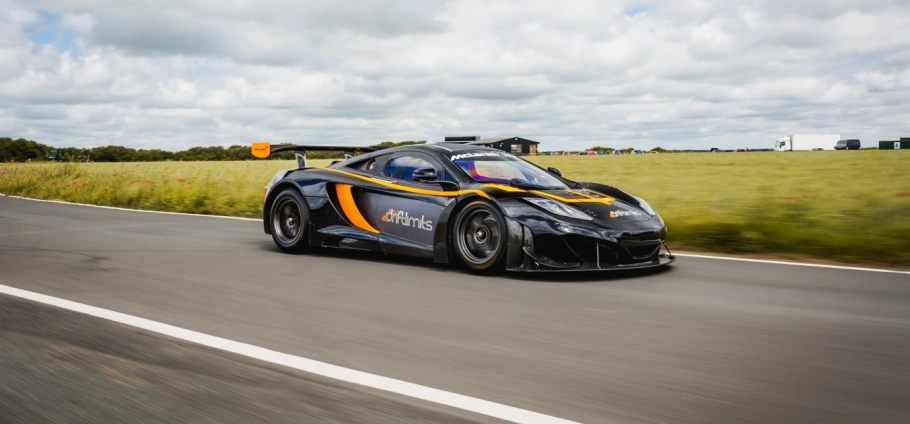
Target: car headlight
<point>559,208</point>
<point>644,205</point>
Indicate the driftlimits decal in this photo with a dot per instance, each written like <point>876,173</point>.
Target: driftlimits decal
<point>402,218</point>
<point>617,214</point>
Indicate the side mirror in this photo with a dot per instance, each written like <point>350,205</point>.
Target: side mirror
<point>424,174</point>
<point>554,171</point>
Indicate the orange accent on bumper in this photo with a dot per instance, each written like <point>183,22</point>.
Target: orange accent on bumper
<point>350,208</point>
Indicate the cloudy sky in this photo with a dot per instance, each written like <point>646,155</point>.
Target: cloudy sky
<point>178,73</point>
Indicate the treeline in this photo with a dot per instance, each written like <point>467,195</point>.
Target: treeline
<point>626,150</point>
<point>22,150</point>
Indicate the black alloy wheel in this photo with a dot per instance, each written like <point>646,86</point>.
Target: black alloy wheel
<point>480,236</point>
<point>289,221</point>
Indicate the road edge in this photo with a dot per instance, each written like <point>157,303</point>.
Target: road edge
<point>681,254</point>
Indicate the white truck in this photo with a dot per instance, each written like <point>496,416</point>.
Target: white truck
<point>806,142</point>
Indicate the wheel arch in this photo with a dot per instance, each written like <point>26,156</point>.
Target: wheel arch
<point>443,252</point>
<point>270,199</point>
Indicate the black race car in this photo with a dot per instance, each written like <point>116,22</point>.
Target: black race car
<point>483,207</point>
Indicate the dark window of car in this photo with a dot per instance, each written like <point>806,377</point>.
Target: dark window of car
<point>363,165</point>
<point>372,165</point>
<point>403,167</point>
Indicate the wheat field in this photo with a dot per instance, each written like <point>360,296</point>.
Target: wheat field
<point>846,206</point>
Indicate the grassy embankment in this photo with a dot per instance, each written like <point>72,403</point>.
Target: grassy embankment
<point>843,206</point>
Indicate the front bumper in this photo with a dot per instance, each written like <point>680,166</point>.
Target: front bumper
<point>661,260</point>
<point>550,253</point>
<point>542,244</point>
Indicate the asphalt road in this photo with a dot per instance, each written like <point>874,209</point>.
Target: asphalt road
<point>703,341</point>
<point>65,367</point>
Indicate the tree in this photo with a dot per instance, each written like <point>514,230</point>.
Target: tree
<point>21,150</point>
<point>113,154</point>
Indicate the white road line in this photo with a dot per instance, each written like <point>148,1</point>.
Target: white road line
<point>454,400</point>
<point>131,210</point>
<point>766,261</point>
<point>691,255</point>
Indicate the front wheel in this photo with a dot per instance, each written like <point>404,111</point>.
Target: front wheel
<point>479,237</point>
<point>289,221</point>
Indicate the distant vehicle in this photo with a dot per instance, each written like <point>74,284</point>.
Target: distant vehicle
<point>716,150</point>
<point>591,153</point>
<point>852,144</point>
<point>815,149</point>
<point>805,142</point>
<point>637,152</point>
<point>653,151</point>
<point>618,152</point>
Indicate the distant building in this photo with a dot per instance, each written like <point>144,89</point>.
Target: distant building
<point>514,145</point>
<point>902,144</point>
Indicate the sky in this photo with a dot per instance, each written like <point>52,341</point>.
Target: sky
<point>173,74</point>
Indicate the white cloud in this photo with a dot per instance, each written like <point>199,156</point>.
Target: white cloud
<point>695,74</point>
<point>80,22</point>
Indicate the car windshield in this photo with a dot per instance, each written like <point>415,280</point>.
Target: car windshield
<point>503,169</point>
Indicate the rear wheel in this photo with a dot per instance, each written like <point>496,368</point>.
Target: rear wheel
<point>289,221</point>
<point>479,236</point>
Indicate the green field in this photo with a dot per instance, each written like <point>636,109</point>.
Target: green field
<point>842,206</point>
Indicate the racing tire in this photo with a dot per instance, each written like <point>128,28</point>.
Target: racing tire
<point>289,220</point>
<point>479,237</point>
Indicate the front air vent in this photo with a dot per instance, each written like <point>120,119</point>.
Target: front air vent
<point>642,249</point>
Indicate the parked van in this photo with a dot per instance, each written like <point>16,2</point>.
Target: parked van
<point>852,144</point>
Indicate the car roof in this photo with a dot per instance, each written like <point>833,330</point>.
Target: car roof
<point>433,149</point>
<point>437,148</point>
<point>456,147</point>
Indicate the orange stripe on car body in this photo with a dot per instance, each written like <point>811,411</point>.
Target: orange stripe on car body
<point>349,207</point>
<point>409,189</point>
<point>587,196</point>
<point>505,188</point>
<point>599,194</point>
<point>605,201</point>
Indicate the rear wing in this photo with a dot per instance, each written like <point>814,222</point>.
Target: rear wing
<point>264,150</point>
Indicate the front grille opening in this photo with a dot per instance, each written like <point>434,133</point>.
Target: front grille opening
<point>591,252</point>
<point>555,248</point>
<point>642,250</point>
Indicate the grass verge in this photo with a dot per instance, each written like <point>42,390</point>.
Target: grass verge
<point>849,207</point>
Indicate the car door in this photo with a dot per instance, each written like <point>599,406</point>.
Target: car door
<point>402,206</point>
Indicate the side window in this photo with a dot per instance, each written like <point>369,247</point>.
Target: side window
<point>370,166</point>
<point>403,167</point>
